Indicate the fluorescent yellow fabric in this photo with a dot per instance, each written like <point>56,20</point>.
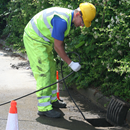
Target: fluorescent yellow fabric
<point>43,66</point>
<point>40,54</point>
<point>41,21</point>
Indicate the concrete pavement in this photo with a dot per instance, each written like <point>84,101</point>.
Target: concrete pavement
<point>16,82</point>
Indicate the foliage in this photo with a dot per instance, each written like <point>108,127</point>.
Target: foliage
<point>103,47</point>
<point>105,54</point>
<point>3,14</point>
<point>21,12</point>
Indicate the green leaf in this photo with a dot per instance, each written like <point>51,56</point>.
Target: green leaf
<point>80,44</point>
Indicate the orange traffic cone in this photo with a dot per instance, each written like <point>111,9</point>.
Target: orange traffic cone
<point>12,122</point>
<point>58,93</point>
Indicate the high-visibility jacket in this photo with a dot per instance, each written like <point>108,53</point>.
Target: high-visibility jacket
<point>40,28</point>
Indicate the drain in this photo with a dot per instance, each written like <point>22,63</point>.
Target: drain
<point>99,122</point>
<point>117,111</point>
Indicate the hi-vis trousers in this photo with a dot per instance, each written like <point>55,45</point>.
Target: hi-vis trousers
<point>43,66</point>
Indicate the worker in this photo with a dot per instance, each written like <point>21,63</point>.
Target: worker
<point>45,31</point>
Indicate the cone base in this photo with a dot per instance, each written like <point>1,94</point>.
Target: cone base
<point>12,122</point>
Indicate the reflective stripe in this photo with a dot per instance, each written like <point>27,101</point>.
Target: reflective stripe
<point>44,104</point>
<point>37,31</point>
<point>43,97</point>
<point>35,40</point>
<point>46,22</point>
<point>45,15</point>
<point>53,98</point>
<point>54,91</point>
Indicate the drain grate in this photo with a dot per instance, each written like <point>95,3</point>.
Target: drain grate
<point>117,111</point>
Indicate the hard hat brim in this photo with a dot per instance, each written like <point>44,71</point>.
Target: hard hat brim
<point>87,24</point>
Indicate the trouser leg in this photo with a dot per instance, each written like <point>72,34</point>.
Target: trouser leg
<point>43,67</point>
<point>53,77</point>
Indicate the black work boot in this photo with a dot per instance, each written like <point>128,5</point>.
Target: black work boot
<point>58,104</point>
<point>52,113</point>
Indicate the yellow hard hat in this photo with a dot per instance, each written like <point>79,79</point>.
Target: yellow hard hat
<point>88,13</point>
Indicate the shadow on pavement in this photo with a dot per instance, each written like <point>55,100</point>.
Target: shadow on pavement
<point>70,124</point>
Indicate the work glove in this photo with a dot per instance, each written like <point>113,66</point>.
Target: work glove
<point>75,66</point>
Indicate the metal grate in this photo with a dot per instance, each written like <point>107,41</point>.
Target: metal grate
<point>117,111</point>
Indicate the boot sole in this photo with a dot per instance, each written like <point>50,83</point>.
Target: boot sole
<point>49,116</point>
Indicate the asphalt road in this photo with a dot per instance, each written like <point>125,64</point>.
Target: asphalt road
<point>16,80</point>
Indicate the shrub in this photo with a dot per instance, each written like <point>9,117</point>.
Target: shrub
<point>103,47</point>
<point>3,14</point>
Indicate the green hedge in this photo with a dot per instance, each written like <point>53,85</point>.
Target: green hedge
<point>103,48</point>
<point>105,52</point>
<point>21,12</point>
<point>3,14</point>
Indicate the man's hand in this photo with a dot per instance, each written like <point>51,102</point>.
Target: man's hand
<point>75,66</point>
